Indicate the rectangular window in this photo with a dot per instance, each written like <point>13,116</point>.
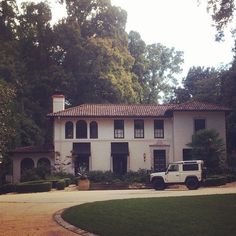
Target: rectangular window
<point>158,128</point>
<point>190,167</point>
<point>138,128</point>
<point>199,124</point>
<point>118,128</point>
<point>187,154</point>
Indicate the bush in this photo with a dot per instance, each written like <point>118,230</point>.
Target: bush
<point>101,176</point>
<point>67,181</point>
<point>60,185</point>
<point>215,181</point>
<point>33,187</point>
<point>140,176</point>
<point>63,175</point>
<point>29,175</point>
<point>7,188</point>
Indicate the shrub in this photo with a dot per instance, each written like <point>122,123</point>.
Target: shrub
<point>33,187</point>
<point>67,181</point>
<point>140,176</point>
<point>29,175</point>
<point>7,188</point>
<point>101,176</point>
<point>215,181</point>
<point>63,175</point>
<point>60,185</point>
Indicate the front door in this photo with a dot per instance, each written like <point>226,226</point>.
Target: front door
<point>159,160</point>
<point>120,164</point>
<point>81,162</point>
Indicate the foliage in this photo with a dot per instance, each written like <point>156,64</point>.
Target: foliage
<point>61,184</point>
<point>29,175</point>
<point>6,114</point>
<point>195,215</point>
<point>208,146</point>
<point>7,188</point>
<point>222,12</point>
<point>215,181</point>
<point>29,187</point>
<point>140,176</point>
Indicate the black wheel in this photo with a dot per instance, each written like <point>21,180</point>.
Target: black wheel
<point>192,183</point>
<point>159,184</point>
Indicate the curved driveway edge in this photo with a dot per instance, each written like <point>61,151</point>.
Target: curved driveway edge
<point>57,217</point>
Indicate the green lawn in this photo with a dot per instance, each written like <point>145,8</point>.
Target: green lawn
<point>173,216</point>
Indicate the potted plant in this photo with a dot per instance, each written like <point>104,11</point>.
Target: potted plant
<point>83,180</point>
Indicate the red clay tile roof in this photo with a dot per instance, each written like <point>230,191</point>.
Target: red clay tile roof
<point>135,110</point>
<point>34,149</point>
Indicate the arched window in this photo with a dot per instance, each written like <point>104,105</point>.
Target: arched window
<point>69,130</point>
<point>93,129</point>
<point>81,129</point>
<point>26,164</point>
<point>44,162</point>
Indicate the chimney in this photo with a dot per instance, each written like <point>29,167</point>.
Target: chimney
<point>58,102</point>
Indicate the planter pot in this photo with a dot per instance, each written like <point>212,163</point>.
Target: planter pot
<point>83,184</point>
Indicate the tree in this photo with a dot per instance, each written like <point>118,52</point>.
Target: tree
<point>97,59</point>
<point>6,114</point>
<point>221,12</point>
<point>163,64</point>
<point>202,84</point>
<point>208,146</point>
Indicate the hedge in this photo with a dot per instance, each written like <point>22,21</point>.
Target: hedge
<point>215,181</point>
<point>60,185</point>
<point>67,181</point>
<point>7,188</point>
<point>29,187</point>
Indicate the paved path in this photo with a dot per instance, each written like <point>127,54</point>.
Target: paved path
<point>32,214</point>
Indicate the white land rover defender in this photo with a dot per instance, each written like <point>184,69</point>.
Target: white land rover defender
<point>190,173</point>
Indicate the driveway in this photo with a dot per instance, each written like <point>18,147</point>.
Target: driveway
<point>32,214</point>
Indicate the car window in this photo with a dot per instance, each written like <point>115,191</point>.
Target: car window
<point>173,167</point>
<point>189,167</point>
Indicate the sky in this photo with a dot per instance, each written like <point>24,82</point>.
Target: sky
<point>182,24</point>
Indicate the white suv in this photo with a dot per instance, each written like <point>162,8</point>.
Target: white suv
<point>190,173</point>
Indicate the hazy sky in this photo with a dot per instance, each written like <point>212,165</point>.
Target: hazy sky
<point>182,24</point>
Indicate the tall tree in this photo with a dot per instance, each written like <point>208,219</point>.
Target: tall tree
<point>202,84</point>
<point>163,64</point>
<point>222,12</point>
<point>102,69</point>
<point>6,115</point>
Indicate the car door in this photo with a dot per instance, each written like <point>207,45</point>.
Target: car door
<point>173,174</point>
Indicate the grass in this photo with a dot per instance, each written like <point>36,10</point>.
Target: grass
<point>174,216</point>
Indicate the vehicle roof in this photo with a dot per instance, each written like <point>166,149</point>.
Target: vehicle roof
<point>188,162</point>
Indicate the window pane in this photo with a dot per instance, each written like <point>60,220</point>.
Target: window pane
<point>81,129</point>
<point>69,130</point>
<point>199,124</point>
<point>188,167</point>
<point>93,130</point>
<point>119,128</point>
<point>139,129</point>
<point>158,129</point>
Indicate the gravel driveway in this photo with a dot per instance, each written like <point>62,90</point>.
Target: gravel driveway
<point>32,214</point>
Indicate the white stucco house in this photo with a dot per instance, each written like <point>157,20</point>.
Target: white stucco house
<point>122,137</point>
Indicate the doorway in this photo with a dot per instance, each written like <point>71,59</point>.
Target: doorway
<point>159,160</point>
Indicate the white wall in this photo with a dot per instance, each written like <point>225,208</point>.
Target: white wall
<point>177,133</point>
<point>183,128</point>
<point>101,148</point>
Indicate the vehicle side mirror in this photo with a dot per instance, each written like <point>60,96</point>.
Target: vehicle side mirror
<point>166,172</point>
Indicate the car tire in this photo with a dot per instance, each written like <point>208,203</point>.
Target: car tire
<point>159,184</point>
<point>192,183</point>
